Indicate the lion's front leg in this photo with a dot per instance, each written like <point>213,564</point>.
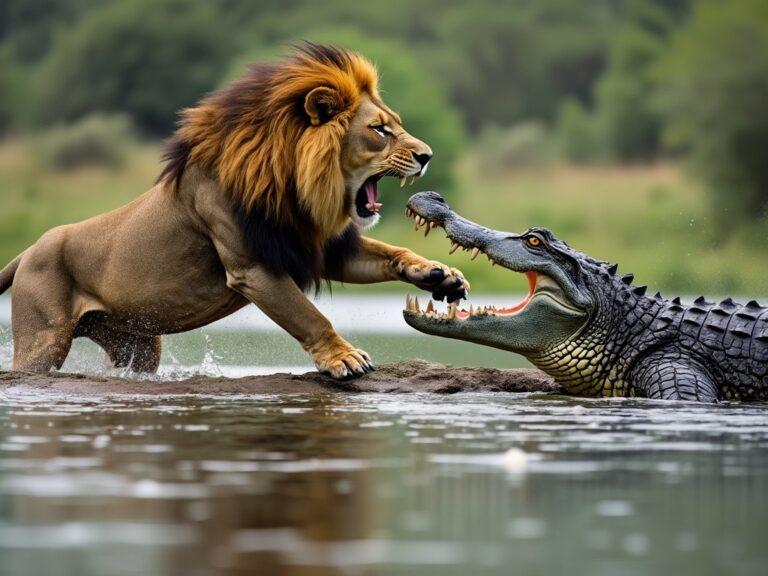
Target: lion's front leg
<point>379,262</point>
<point>280,299</point>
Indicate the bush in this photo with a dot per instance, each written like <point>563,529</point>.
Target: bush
<point>577,133</point>
<point>526,144</point>
<point>93,141</point>
<point>146,58</point>
<point>713,93</point>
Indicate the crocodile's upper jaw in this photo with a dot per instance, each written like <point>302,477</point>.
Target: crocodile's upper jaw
<point>545,315</point>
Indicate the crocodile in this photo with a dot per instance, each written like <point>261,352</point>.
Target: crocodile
<point>593,330</point>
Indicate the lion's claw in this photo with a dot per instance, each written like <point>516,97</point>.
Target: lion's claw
<point>440,280</point>
<point>343,362</point>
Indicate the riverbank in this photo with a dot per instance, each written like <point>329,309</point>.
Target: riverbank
<point>403,377</point>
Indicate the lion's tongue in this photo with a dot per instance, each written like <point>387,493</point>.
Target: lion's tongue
<point>372,192</point>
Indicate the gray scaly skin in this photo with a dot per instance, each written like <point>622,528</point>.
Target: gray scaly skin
<point>592,330</point>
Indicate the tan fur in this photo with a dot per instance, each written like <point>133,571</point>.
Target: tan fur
<point>176,258</point>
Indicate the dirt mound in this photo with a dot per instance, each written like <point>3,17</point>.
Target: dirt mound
<point>410,376</point>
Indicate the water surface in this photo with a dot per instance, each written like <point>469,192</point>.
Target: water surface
<point>381,484</point>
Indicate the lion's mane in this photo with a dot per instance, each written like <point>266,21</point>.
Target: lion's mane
<point>283,173</point>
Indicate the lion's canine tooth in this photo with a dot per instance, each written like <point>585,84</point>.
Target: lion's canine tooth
<point>475,252</point>
<point>413,179</point>
<point>454,247</point>
<point>402,181</point>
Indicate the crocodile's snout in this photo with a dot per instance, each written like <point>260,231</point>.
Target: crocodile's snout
<point>430,206</point>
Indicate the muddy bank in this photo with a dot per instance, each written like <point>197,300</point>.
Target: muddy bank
<point>410,376</point>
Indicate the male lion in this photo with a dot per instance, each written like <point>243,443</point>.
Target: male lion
<point>267,184</point>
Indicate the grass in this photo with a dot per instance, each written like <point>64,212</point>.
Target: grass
<point>652,220</point>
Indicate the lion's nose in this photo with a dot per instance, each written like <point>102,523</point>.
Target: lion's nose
<point>422,158</point>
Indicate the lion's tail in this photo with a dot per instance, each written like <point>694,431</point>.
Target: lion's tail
<point>7,273</point>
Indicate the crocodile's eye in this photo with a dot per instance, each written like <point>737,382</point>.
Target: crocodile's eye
<point>533,241</point>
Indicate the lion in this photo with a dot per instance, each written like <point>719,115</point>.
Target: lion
<point>267,185</point>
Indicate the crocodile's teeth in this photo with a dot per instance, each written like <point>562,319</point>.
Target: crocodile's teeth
<point>454,247</point>
<point>452,311</point>
<point>475,252</point>
<point>427,229</point>
<point>471,310</point>
<point>416,303</point>
<point>430,307</point>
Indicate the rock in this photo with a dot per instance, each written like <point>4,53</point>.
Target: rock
<point>408,376</point>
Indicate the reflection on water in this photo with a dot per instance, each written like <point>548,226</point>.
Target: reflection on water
<point>381,484</point>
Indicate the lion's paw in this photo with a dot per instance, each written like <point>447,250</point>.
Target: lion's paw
<point>437,278</point>
<point>341,360</point>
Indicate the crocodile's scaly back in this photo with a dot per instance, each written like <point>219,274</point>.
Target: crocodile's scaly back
<point>594,331</point>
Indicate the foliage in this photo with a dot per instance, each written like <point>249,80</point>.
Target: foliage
<point>577,134</point>
<point>147,58</point>
<point>95,140</point>
<point>714,89</point>
<point>628,123</point>
<point>523,145</point>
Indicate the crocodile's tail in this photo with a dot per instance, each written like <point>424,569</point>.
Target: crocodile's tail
<point>7,273</point>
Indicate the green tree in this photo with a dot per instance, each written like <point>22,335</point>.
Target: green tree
<point>713,93</point>
<point>147,58</point>
<point>626,119</point>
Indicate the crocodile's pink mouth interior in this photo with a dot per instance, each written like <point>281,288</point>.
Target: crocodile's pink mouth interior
<point>453,312</point>
<point>511,310</point>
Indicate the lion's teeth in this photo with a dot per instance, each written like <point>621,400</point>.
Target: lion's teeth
<point>402,181</point>
<point>475,252</point>
<point>454,247</point>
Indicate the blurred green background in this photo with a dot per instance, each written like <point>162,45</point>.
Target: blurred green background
<point>637,130</point>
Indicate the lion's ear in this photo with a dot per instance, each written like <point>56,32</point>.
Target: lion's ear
<point>322,104</point>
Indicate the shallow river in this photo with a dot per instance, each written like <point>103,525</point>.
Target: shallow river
<point>468,484</point>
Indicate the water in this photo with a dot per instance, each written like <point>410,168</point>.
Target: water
<point>381,485</point>
<point>335,484</point>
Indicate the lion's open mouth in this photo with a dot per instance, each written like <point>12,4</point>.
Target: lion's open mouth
<point>366,198</point>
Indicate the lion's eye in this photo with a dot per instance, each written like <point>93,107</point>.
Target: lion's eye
<point>381,130</point>
<point>533,241</point>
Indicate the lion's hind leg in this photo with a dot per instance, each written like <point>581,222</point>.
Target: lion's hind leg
<point>141,353</point>
<point>146,355</point>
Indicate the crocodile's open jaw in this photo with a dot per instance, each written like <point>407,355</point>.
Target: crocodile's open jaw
<point>552,309</point>
<point>539,284</point>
